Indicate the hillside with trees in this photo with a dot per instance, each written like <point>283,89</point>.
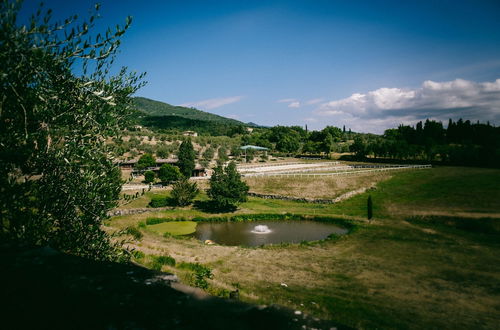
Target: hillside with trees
<point>174,119</point>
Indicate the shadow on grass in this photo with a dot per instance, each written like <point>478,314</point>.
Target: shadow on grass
<point>211,207</point>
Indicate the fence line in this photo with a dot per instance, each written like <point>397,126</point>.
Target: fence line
<point>282,164</point>
<point>371,169</point>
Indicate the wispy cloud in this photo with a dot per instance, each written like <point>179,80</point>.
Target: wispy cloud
<point>286,100</point>
<point>213,103</point>
<point>315,101</point>
<point>388,107</point>
<point>292,103</point>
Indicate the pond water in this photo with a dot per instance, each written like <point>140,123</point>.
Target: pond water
<point>256,233</point>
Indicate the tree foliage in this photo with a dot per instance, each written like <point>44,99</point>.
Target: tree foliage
<point>57,181</point>
<point>145,161</point>
<point>169,173</point>
<point>186,157</point>
<point>183,192</point>
<point>226,187</point>
<point>149,176</point>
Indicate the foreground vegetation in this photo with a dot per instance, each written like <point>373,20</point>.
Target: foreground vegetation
<point>430,251</point>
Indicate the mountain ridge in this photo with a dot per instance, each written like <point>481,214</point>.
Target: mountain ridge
<point>160,109</point>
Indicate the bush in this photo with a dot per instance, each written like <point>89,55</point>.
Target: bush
<point>160,261</point>
<point>149,177</point>
<point>157,201</point>
<point>136,233</point>
<point>146,160</point>
<point>201,273</point>
<point>184,192</point>
<point>138,254</point>
<point>169,173</point>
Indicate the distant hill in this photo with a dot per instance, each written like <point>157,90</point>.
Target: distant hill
<point>160,109</point>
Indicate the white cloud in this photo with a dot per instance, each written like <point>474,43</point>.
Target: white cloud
<point>213,103</point>
<point>315,101</point>
<point>388,107</point>
<point>286,100</point>
<point>292,103</point>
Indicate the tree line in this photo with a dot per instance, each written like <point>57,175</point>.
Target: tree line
<point>460,143</point>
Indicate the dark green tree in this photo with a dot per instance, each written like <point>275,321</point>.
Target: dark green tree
<point>57,181</point>
<point>327,144</point>
<point>186,157</point>
<point>183,192</point>
<point>369,207</point>
<point>145,161</point>
<point>149,176</point>
<point>226,187</point>
<point>169,173</point>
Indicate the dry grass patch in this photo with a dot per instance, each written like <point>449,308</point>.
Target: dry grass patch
<point>314,187</point>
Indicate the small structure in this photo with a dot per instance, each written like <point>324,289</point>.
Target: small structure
<point>189,133</point>
<point>251,147</point>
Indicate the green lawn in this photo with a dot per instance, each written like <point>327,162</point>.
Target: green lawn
<point>174,227</point>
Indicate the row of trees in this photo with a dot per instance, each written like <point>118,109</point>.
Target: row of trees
<point>461,143</point>
<point>295,139</point>
<point>226,190</point>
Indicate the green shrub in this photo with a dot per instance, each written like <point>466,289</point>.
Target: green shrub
<point>154,221</point>
<point>149,176</point>
<point>169,173</point>
<point>138,254</point>
<point>184,192</point>
<point>157,201</point>
<point>135,232</point>
<point>201,273</point>
<point>160,261</point>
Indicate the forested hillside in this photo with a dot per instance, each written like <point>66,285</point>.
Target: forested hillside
<point>157,108</point>
<point>175,119</point>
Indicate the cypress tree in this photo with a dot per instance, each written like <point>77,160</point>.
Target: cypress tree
<point>186,158</point>
<point>370,207</point>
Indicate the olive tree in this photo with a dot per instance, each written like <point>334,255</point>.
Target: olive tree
<point>57,177</point>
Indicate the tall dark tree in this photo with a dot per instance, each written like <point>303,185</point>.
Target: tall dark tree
<point>369,207</point>
<point>186,157</point>
<point>57,181</point>
<point>226,187</point>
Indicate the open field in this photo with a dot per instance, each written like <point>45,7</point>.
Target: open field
<point>312,187</point>
<point>405,269</point>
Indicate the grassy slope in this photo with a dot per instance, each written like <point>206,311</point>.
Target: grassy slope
<point>392,273</point>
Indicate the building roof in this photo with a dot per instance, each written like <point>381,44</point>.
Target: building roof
<point>253,147</point>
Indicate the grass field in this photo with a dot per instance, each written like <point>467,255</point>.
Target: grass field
<point>429,259</point>
<point>174,227</point>
<point>311,187</point>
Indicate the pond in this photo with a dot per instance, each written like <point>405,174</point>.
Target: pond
<point>256,233</point>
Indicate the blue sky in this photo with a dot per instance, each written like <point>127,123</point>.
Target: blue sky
<point>369,65</point>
